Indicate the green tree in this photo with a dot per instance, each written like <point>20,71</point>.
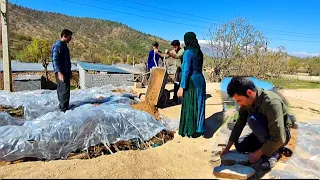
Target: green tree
<point>37,51</point>
<point>130,59</point>
<point>313,66</point>
<point>293,65</point>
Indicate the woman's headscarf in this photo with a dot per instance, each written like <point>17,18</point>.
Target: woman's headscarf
<point>191,42</point>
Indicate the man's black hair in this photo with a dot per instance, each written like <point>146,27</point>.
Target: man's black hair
<point>156,44</point>
<point>66,33</point>
<point>175,43</point>
<point>239,86</point>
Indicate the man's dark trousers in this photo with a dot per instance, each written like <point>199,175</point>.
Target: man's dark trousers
<point>260,134</point>
<point>176,87</point>
<point>63,90</point>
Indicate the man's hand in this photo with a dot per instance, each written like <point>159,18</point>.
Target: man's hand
<point>254,157</point>
<point>60,77</point>
<point>166,51</point>
<point>227,149</point>
<point>180,92</point>
<point>224,151</point>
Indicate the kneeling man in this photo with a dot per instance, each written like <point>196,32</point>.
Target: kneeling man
<point>267,116</point>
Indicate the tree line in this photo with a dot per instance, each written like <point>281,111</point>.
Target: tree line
<point>242,50</point>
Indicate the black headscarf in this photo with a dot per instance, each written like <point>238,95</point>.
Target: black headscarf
<point>191,42</point>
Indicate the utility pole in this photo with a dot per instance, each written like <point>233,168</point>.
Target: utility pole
<point>7,78</point>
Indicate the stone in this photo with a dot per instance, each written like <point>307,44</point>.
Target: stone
<point>235,157</point>
<point>234,172</point>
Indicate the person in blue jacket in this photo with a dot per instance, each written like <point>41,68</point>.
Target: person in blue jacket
<point>154,56</point>
<point>192,89</point>
<point>60,55</point>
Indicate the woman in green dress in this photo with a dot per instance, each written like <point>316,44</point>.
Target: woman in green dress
<point>192,88</point>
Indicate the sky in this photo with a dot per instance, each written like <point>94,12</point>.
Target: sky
<point>293,24</point>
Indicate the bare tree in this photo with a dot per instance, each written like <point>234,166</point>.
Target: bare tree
<point>240,49</point>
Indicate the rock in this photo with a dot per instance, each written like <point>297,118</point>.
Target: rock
<point>234,172</point>
<point>235,157</point>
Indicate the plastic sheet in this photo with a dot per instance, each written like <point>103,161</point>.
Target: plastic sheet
<point>6,119</point>
<point>50,134</point>
<point>305,161</point>
<point>170,124</point>
<point>39,102</point>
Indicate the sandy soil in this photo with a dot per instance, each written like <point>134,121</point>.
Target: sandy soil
<point>304,104</point>
<point>179,158</point>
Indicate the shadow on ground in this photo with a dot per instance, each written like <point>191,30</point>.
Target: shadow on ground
<point>259,172</point>
<point>171,103</point>
<point>212,124</point>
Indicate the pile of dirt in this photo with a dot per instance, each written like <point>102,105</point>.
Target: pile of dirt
<point>156,82</point>
<point>104,149</point>
<point>14,112</point>
<point>146,107</point>
<point>134,144</point>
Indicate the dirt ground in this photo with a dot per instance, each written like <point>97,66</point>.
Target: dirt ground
<point>304,103</point>
<point>179,158</point>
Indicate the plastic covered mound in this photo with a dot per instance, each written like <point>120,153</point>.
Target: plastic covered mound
<point>98,116</point>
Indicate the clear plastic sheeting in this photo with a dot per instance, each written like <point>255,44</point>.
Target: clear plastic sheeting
<point>171,124</point>
<point>47,133</point>
<point>39,102</point>
<point>6,119</point>
<point>305,161</point>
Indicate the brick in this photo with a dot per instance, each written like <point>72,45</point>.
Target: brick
<point>234,172</point>
<point>235,157</point>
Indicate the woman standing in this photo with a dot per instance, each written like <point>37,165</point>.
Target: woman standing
<point>192,88</point>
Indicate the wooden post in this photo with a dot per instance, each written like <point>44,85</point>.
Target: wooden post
<point>7,75</point>
<point>133,61</point>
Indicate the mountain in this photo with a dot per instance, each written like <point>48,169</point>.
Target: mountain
<point>94,40</point>
<point>304,54</point>
<point>205,47</point>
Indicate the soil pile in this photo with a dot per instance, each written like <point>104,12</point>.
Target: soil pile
<point>156,82</point>
<point>146,107</point>
<point>104,149</point>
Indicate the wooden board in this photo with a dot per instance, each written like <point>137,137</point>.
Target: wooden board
<point>157,81</point>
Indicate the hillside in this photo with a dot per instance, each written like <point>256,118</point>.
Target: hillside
<point>94,40</point>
